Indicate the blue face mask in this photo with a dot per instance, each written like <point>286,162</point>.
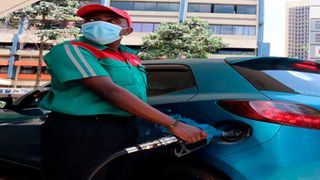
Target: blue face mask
<point>101,32</point>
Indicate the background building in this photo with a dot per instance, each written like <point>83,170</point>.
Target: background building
<point>303,29</point>
<point>9,6</point>
<point>235,21</point>
<point>297,29</point>
<point>238,22</point>
<point>314,46</point>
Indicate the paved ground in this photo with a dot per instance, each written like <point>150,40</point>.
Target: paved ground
<point>11,172</point>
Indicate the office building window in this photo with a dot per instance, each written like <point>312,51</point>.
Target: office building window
<point>317,24</point>
<point>317,38</point>
<point>239,30</point>
<point>168,7</point>
<point>139,6</point>
<point>3,69</point>
<point>150,6</point>
<point>228,30</point>
<point>220,8</point>
<point>5,45</point>
<point>244,30</point>
<point>233,30</point>
<point>146,6</point>
<point>156,26</point>
<point>44,70</point>
<point>27,70</point>
<point>204,8</point>
<point>216,29</point>
<point>123,5</point>
<point>236,51</point>
<point>136,27</point>
<point>145,27</point>
<point>240,9</point>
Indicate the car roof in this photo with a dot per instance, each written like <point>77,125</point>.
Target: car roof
<point>182,61</point>
<point>230,60</point>
<point>211,75</point>
<point>233,60</point>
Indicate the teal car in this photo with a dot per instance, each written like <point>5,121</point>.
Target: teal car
<point>268,109</point>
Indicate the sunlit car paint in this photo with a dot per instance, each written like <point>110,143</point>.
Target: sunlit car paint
<point>267,151</point>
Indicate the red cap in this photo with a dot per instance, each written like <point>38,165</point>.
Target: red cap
<point>84,10</point>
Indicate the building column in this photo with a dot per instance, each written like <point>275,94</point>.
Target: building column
<point>16,79</point>
<point>260,43</point>
<point>14,48</point>
<point>105,2</point>
<point>183,10</point>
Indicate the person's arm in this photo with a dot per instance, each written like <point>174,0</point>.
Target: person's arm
<point>117,96</point>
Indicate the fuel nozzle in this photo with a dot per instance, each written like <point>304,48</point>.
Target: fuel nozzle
<point>164,141</point>
<point>180,150</point>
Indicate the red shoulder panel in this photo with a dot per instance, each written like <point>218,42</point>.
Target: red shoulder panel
<point>99,53</point>
<point>108,53</point>
<point>95,51</point>
<point>132,58</point>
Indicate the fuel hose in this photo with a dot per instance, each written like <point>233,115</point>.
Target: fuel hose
<point>140,147</point>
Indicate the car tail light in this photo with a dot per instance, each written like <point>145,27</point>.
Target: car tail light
<point>275,112</point>
<point>307,65</point>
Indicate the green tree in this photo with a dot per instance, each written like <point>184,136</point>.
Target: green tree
<point>43,13</point>
<point>190,39</point>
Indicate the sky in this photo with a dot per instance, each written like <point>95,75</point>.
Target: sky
<point>274,30</point>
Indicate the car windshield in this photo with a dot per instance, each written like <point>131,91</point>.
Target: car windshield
<point>282,75</point>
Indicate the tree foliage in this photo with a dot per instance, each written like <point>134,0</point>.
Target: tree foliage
<point>44,12</point>
<point>190,39</point>
<point>58,9</point>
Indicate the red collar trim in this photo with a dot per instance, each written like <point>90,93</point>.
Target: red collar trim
<point>108,53</point>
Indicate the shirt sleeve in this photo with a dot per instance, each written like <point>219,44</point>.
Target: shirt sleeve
<point>69,62</point>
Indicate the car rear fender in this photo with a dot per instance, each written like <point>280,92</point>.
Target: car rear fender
<point>206,110</point>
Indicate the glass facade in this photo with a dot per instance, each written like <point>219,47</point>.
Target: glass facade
<point>227,9</point>
<point>174,7</point>
<point>233,30</point>
<point>145,27</point>
<point>27,70</point>
<point>146,6</point>
<point>236,51</point>
<point>3,69</point>
<point>244,9</point>
<point>298,32</point>
<point>123,5</point>
<point>222,8</point>
<point>204,8</point>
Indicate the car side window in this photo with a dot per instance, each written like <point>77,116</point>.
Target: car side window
<point>164,79</point>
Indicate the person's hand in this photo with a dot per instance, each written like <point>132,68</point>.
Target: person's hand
<point>187,133</point>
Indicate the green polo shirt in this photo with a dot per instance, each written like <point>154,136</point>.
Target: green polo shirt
<point>68,62</point>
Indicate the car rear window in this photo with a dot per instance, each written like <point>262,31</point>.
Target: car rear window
<point>164,79</point>
<point>282,75</point>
